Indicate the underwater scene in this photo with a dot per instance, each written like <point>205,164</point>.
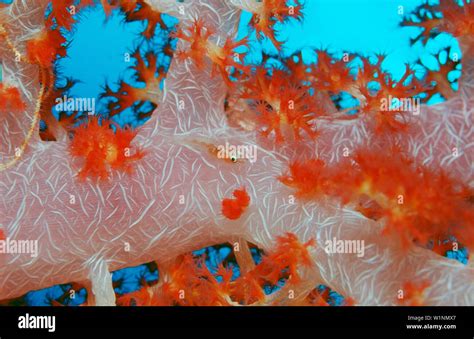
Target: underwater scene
<point>236,153</point>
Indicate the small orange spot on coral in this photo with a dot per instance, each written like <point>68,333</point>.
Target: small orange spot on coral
<point>102,149</point>
<point>10,99</point>
<point>413,294</point>
<point>233,208</point>
<point>2,235</point>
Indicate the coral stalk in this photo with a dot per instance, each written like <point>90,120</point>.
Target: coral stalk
<point>172,202</point>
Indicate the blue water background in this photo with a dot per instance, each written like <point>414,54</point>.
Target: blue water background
<point>97,55</point>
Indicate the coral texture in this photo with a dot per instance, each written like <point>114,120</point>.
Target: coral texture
<point>318,174</point>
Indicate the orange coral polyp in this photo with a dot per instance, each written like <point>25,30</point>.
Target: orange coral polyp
<point>10,99</point>
<point>61,14</point>
<point>454,17</point>
<point>284,261</point>
<point>284,107</point>
<point>457,20</point>
<point>234,208</point>
<point>331,75</point>
<point>417,203</point>
<point>223,58</point>
<point>139,10</point>
<point>271,11</point>
<point>190,283</point>
<point>200,48</point>
<point>290,254</point>
<point>126,96</point>
<point>375,102</point>
<point>102,149</point>
<point>413,293</point>
<point>45,47</point>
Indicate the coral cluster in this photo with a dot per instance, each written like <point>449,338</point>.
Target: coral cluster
<point>389,173</point>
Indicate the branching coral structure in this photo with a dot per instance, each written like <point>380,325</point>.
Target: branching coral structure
<point>258,156</point>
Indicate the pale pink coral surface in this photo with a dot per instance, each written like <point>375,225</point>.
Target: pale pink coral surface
<point>171,204</point>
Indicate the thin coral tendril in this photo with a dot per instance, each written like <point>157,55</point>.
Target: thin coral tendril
<point>10,44</point>
<point>31,130</point>
<point>396,185</point>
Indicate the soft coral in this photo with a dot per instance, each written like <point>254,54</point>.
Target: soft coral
<point>283,105</point>
<point>285,261</point>
<point>44,48</point>
<point>413,293</point>
<point>290,254</point>
<point>139,10</point>
<point>332,75</point>
<point>190,283</point>
<point>377,86</point>
<point>101,149</point>
<point>128,96</point>
<point>61,14</point>
<point>233,208</point>
<point>418,203</point>
<point>202,48</point>
<point>10,99</point>
<point>447,16</point>
<point>268,12</point>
